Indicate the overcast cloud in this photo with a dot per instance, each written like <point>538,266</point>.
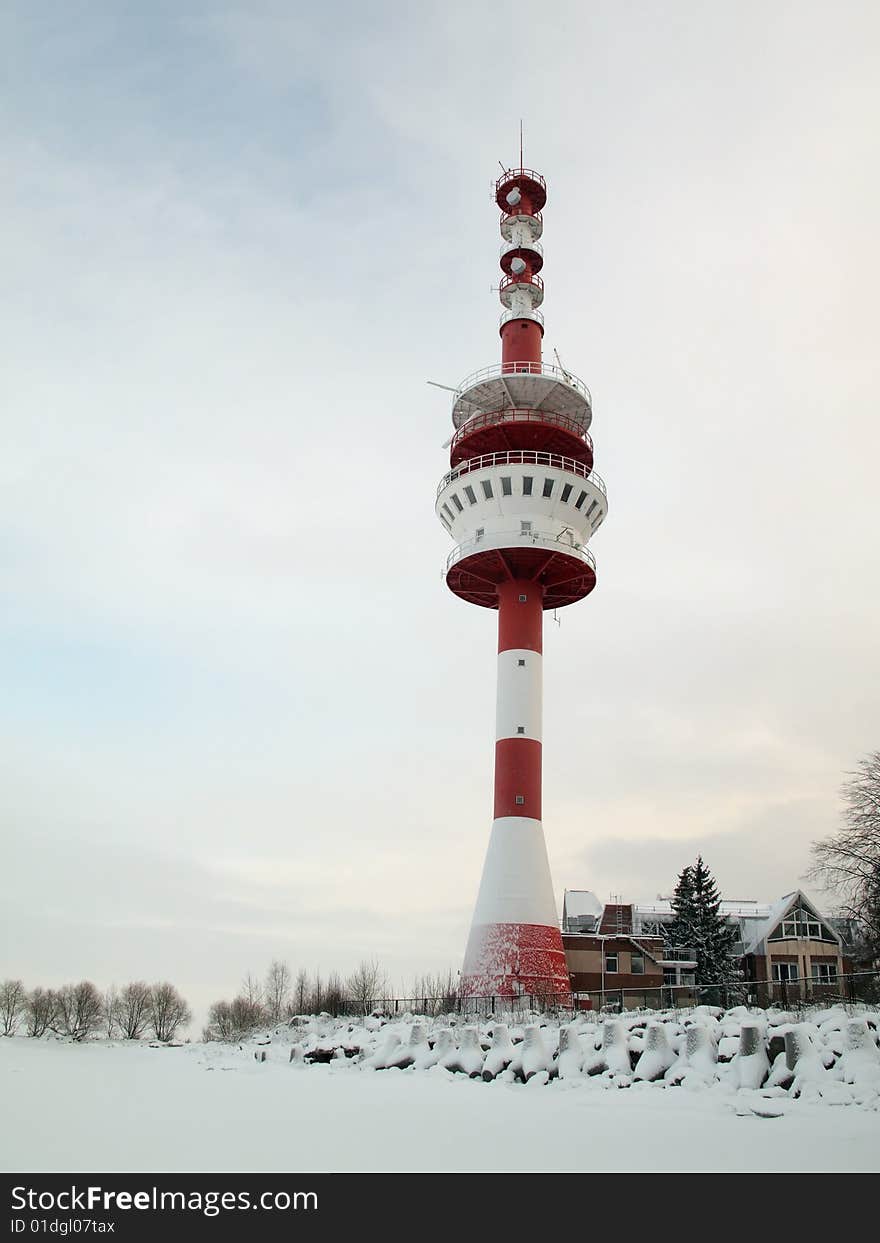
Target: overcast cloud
<point>242,716</point>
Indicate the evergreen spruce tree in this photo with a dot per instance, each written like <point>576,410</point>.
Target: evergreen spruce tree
<point>682,929</point>
<point>698,924</point>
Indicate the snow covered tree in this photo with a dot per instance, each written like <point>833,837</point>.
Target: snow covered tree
<point>680,932</point>
<point>699,925</point>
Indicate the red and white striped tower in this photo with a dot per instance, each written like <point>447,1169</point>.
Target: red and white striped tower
<point>521,500</point>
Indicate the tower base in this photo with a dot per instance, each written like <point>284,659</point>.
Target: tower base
<point>511,960</point>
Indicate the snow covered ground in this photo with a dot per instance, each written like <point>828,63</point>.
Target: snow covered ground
<point>642,1093</point>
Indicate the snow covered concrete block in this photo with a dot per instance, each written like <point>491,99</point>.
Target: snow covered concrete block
<point>570,1058</point>
<point>657,1057</point>
<point>467,1059</point>
<point>534,1056</point>
<point>501,1052</point>
<point>751,1066</point>
<point>615,1048</point>
<point>700,1051</point>
<point>381,1059</point>
<point>860,1062</point>
<point>416,1047</point>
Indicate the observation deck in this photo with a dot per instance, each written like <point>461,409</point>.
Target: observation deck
<point>564,569</point>
<point>523,385</point>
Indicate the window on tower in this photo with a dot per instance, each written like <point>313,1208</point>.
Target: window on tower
<point>527,485</point>
<point>566,493</point>
<point>548,487</point>
<point>470,494</point>
<point>505,485</point>
<point>580,500</point>
<point>456,502</point>
<point>486,485</point>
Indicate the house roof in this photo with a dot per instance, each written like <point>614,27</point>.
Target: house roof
<point>778,911</point>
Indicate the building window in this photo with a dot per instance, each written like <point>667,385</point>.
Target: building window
<point>524,527</point>
<point>505,485</point>
<point>480,532</point>
<point>823,972</point>
<point>446,524</point>
<point>637,964</point>
<point>527,485</point>
<point>486,485</point>
<point>521,664</point>
<point>566,493</point>
<point>801,925</point>
<point>520,729</point>
<point>548,487</point>
<point>784,972</point>
<point>611,964</point>
<point>591,507</point>
<point>456,502</point>
<point>520,800</point>
<point>470,494</point>
<point>448,512</point>
<point>580,500</point>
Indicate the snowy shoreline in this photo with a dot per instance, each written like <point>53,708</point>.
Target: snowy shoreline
<point>258,1105</point>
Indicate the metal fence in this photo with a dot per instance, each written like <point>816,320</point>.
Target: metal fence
<point>859,988</point>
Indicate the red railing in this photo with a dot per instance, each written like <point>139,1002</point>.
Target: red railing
<point>494,418</point>
<point>511,174</point>
<point>511,282</point>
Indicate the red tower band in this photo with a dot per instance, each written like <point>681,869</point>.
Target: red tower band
<point>521,500</point>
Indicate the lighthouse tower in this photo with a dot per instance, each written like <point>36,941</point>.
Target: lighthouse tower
<point>521,501</point>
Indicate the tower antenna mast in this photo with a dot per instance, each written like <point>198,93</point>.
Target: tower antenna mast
<point>520,501</point>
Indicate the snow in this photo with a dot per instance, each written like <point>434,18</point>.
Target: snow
<point>456,1097</point>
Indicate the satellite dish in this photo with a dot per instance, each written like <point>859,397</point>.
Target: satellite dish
<point>513,197</point>
<point>518,266</point>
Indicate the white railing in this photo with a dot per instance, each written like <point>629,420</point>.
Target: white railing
<point>516,539</point>
<point>531,313</point>
<point>528,245</point>
<point>525,457</point>
<point>524,368</point>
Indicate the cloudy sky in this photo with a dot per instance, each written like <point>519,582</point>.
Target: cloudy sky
<point>241,714</point>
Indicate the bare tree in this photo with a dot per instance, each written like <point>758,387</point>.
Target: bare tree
<point>300,998</point>
<point>335,999</point>
<point>848,862</point>
<point>110,1011</point>
<point>277,990</point>
<point>366,986</point>
<point>78,1013</point>
<point>41,1011</point>
<point>13,998</point>
<point>133,1013</point>
<point>168,1011</point>
<point>252,989</point>
<point>232,1020</point>
<point>436,994</point>
<point>315,1001</point>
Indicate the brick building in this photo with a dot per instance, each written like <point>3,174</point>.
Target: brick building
<point>621,947</point>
